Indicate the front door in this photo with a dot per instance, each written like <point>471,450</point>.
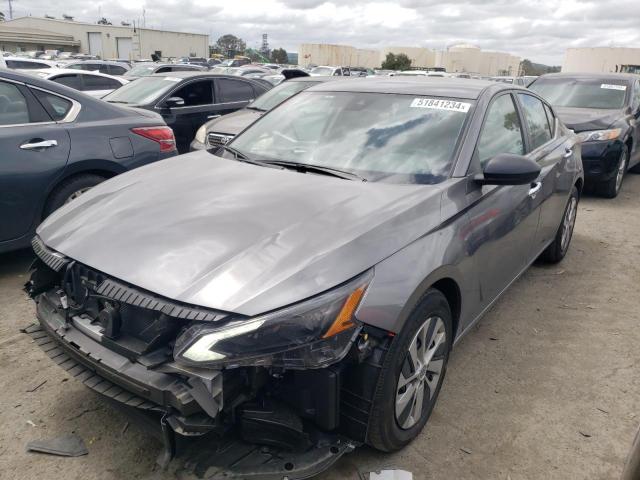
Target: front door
<point>501,220</point>
<point>198,105</point>
<point>34,150</point>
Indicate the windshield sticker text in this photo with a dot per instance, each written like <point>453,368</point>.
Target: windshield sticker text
<point>439,104</point>
<point>609,86</point>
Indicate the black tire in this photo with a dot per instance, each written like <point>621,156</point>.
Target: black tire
<point>385,433</point>
<point>68,188</point>
<point>611,188</point>
<point>555,252</point>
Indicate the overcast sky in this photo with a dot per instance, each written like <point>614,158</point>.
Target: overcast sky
<point>536,29</point>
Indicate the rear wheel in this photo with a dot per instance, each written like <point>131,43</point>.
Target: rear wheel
<point>611,188</point>
<point>71,189</point>
<point>560,246</point>
<point>412,375</point>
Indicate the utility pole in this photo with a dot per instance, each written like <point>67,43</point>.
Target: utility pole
<point>10,10</point>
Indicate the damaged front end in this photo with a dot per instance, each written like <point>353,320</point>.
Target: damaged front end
<point>279,395</point>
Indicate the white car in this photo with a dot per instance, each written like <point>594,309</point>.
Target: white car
<point>24,63</point>
<point>95,84</point>
<point>324,71</point>
<point>421,73</point>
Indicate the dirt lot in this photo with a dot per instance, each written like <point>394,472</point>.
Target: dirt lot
<point>547,386</point>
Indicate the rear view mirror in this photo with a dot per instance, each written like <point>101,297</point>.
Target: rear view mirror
<point>508,169</point>
<point>173,102</point>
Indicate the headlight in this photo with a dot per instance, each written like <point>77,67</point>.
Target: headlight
<point>311,334</point>
<point>598,135</point>
<point>201,134</point>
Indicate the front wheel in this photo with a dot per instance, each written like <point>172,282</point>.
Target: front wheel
<point>412,375</point>
<point>611,188</point>
<point>560,245</point>
<point>69,190</point>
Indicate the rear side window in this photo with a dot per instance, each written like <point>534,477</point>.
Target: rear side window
<point>234,90</point>
<point>163,70</point>
<point>72,81</point>
<point>536,118</point>
<point>502,132</point>
<point>92,67</point>
<point>56,106</point>
<point>75,66</point>
<point>196,93</point>
<point>93,82</point>
<point>13,105</point>
<point>116,70</point>
<point>26,65</point>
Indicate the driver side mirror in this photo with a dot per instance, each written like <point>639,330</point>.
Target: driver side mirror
<point>508,169</point>
<point>173,102</point>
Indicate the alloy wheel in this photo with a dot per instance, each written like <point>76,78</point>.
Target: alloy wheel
<point>622,168</point>
<point>568,223</point>
<point>76,194</point>
<point>421,372</point>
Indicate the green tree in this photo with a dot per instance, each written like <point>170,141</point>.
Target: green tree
<point>396,62</point>
<point>279,55</point>
<point>230,45</point>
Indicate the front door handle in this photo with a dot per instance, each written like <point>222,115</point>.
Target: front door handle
<point>211,117</point>
<point>39,145</point>
<point>567,153</point>
<point>535,188</point>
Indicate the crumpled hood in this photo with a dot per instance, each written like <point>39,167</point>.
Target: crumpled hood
<point>233,123</point>
<point>586,119</point>
<point>238,237</point>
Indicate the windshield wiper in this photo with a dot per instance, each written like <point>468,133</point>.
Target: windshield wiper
<point>241,157</point>
<point>256,109</point>
<point>305,167</point>
<point>117,101</point>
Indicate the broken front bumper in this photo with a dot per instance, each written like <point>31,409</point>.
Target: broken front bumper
<point>191,401</point>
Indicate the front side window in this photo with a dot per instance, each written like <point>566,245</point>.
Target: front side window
<point>581,93</point>
<point>196,93</point>
<point>383,137</point>
<point>115,70</point>
<point>13,105</point>
<point>536,118</point>
<point>501,132</point>
<point>71,81</point>
<point>322,71</point>
<point>234,90</point>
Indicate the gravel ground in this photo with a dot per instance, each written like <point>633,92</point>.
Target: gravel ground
<point>546,386</point>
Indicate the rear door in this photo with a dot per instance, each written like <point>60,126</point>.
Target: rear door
<point>551,151</point>
<point>199,103</point>
<point>635,123</point>
<point>232,94</point>
<point>502,220</point>
<point>35,150</point>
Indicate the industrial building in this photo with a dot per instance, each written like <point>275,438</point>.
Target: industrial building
<point>457,58</point>
<point>105,41</point>
<point>602,60</point>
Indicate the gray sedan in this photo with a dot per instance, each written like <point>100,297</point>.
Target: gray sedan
<point>303,287</point>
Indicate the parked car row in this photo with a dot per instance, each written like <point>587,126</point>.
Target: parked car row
<point>317,256</point>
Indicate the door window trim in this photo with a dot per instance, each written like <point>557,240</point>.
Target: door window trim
<point>73,112</point>
<point>13,125</point>
<point>523,136</point>
<point>525,124</point>
<point>170,94</point>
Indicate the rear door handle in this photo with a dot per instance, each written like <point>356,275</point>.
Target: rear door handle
<point>567,153</point>
<point>535,188</point>
<point>38,145</point>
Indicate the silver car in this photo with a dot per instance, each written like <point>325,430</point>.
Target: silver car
<point>301,288</point>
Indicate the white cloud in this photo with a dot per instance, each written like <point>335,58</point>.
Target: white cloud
<point>539,30</point>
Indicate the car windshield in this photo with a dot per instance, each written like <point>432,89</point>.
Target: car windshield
<point>140,71</point>
<point>279,94</point>
<point>322,71</point>
<point>381,137</point>
<point>142,91</point>
<point>579,93</point>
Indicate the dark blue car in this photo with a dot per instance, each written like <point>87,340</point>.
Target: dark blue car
<point>56,143</point>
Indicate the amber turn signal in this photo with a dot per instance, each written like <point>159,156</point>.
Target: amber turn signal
<point>344,319</point>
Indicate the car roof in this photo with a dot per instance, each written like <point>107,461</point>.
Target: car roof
<point>58,71</point>
<point>593,76</point>
<point>436,86</point>
<point>101,62</point>
<point>203,74</point>
<point>27,59</point>
<point>318,79</point>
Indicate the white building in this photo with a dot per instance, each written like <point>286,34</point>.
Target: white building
<point>457,58</point>
<point>602,60</point>
<point>113,41</point>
